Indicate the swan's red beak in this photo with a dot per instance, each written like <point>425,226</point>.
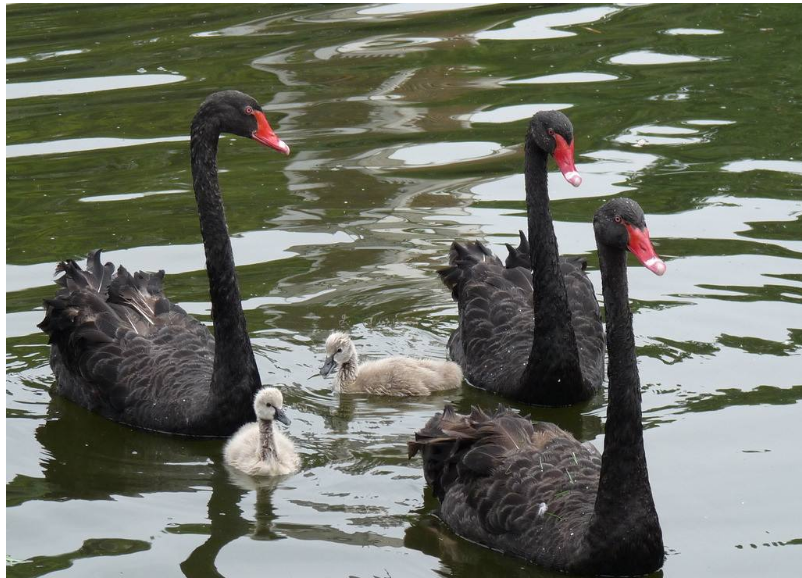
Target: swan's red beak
<point>641,246</point>
<point>564,155</point>
<point>265,135</point>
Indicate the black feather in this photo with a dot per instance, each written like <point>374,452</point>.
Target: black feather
<point>531,329</point>
<point>531,489</point>
<point>121,348</point>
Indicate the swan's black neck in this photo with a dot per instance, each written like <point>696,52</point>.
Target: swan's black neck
<point>234,365</point>
<point>552,375</point>
<point>625,528</point>
<point>267,447</point>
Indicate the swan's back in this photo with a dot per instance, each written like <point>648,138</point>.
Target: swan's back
<point>496,322</point>
<point>405,376</point>
<point>493,341</point>
<point>524,489</point>
<point>243,452</point>
<point>122,349</point>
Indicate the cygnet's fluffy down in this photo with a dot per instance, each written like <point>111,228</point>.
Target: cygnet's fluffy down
<point>258,449</point>
<point>396,376</point>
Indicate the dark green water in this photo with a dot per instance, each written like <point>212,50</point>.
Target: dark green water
<point>406,130</point>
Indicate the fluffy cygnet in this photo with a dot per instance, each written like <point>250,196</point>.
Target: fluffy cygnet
<point>396,376</point>
<point>259,450</point>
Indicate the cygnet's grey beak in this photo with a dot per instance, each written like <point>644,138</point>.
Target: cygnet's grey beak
<point>328,366</point>
<point>281,416</point>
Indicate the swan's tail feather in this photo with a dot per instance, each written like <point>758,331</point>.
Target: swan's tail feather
<point>141,292</point>
<point>81,297</point>
<point>115,336</point>
<point>454,446</point>
<point>96,277</point>
<point>94,304</point>
<point>77,322</point>
<point>519,256</point>
<point>462,258</point>
<point>580,263</point>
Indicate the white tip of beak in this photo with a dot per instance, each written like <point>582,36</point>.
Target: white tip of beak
<point>283,147</point>
<point>656,265</point>
<point>573,178</point>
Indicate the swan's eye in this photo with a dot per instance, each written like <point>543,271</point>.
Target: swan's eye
<point>618,219</point>
<point>248,110</point>
<point>269,404</point>
<point>340,350</point>
<point>551,131</point>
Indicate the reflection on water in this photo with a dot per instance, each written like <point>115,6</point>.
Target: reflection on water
<point>128,196</point>
<point>378,46</point>
<point>542,27</point>
<point>78,145</point>
<point>406,123</point>
<point>659,135</point>
<point>251,247</point>
<point>411,8</point>
<point>794,167</point>
<point>693,32</point>
<point>512,113</point>
<point>647,57</point>
<point>84,85</point>
<point>444,153</point>
<point>566,78</point>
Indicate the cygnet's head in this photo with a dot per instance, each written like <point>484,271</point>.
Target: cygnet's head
<point>268,405</point>
<point>339,350</point>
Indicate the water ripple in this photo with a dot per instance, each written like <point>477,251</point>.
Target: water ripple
<point>793,167</point>
<point>85,85</point>
<point>400,8</point>
<point>249,248</point>
<point>659,135</point>
<point>445,153</point>
<point>565,78</point>
<point>129,196</point>
<point>378,46</point>
<point>692,32</point>
<point>510,113</point>
<point>542,27</point>
<point>649,58</point>
<point>76,145</point>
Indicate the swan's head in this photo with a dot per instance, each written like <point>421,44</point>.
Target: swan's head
<point>554,134</point>
<point>269,405</point>
<point>620,223</point>
<point>237,113</point>
<point>339,350</point>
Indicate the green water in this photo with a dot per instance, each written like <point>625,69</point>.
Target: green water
<point>406,131</point>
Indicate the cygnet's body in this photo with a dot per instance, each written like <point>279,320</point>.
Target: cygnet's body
<point>395,376</point>
<point>259,450</point>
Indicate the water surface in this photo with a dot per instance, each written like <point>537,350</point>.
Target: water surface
<point>406,125</point>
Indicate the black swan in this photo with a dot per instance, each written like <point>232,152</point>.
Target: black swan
<point>531,333</point>
<point>532,490</point>
<point>120,348</point>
